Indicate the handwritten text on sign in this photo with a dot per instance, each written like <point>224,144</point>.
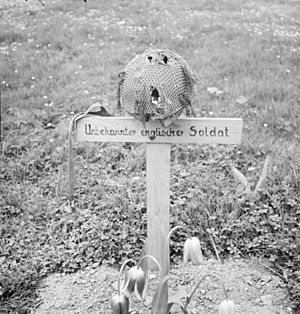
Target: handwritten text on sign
<point>185,130</point>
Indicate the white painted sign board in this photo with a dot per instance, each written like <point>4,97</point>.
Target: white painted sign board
<point>184,131</point>
<point>158,145</point>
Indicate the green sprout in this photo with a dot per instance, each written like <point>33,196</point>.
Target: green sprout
<point>136,283</point>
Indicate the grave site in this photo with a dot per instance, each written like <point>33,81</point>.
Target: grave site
<point>150,157</point>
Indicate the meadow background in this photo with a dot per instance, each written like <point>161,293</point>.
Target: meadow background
<point>59,59</point>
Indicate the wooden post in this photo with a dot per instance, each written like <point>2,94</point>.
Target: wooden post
<point>158,142</point>
<point>158,200</point>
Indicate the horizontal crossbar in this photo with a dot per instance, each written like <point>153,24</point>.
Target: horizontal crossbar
<point>184,130</point>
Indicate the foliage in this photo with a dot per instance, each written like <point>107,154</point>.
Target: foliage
<point>269,229</point>
<point>64,60</point>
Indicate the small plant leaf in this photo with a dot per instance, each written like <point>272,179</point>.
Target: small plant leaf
<point>242,100</point>
<point>263,175</point>
<point>169,306</point>
<point>239,176</point>
<point>176,297</point>
<point>160,299</point>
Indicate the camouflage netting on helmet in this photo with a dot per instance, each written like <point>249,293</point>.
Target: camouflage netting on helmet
<point>157,84</point>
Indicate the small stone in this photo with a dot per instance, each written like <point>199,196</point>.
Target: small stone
<point>257,301</point>
<point>152,276</point>
<point>262,291</point>
<point>267,299</point>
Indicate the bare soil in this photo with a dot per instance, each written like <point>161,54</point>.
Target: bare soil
<point>253,288</point>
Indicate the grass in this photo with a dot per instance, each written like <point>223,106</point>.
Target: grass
<point>58,60</point>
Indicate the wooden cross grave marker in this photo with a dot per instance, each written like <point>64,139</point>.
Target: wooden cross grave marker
<point>158,150</point>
